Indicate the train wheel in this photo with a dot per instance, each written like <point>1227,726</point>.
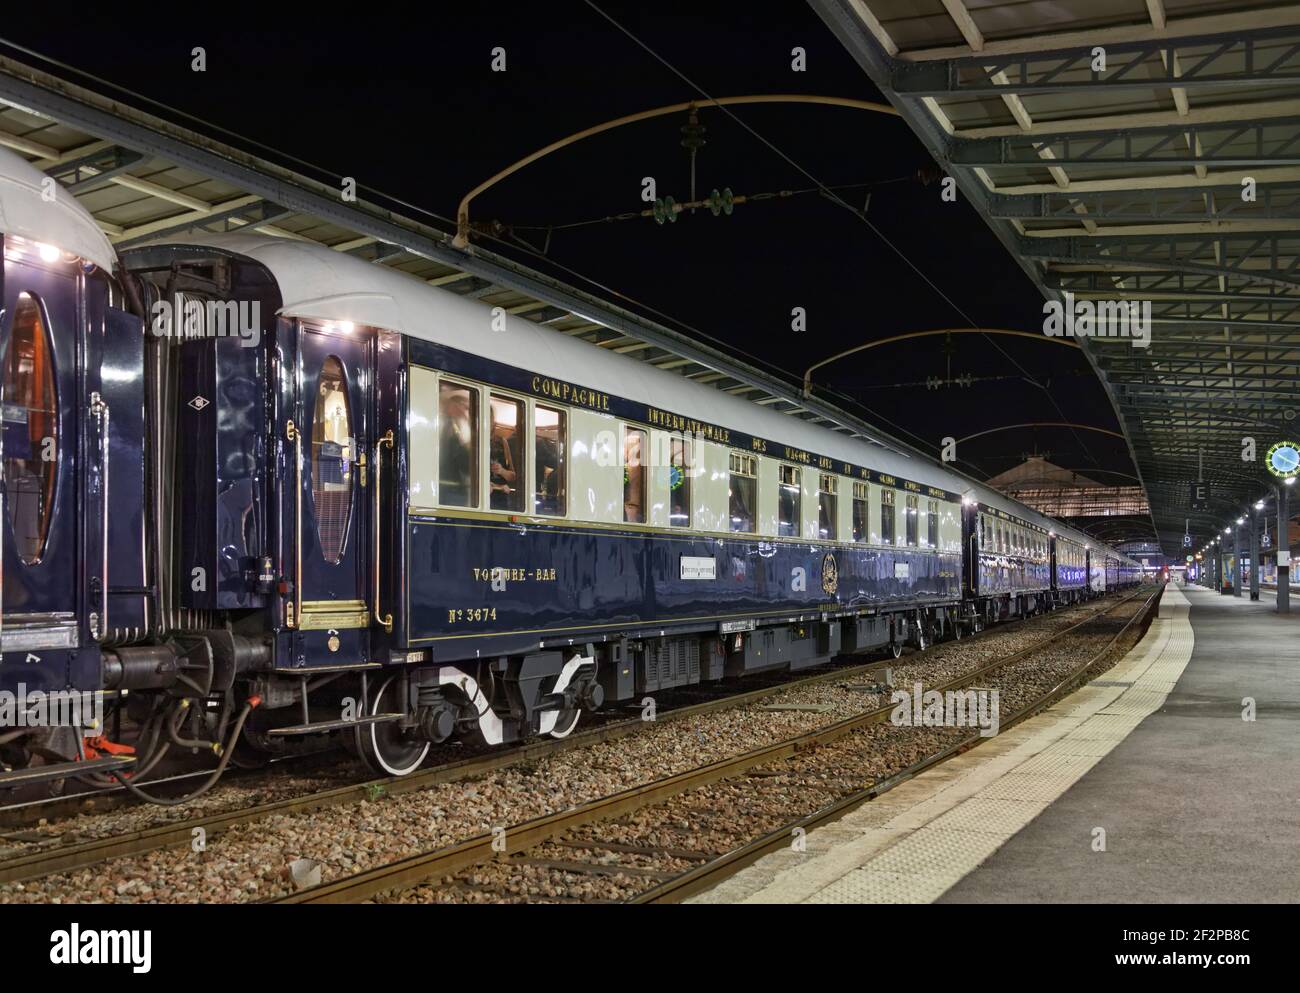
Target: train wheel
<point>385,747</point>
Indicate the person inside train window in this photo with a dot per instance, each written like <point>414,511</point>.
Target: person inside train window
<point>506,466</point>
<point>860,512</point>
<point>913,520</point>
<point>742,486</point>
<point>887,517</point>
<point>634,479</point>
<point>458,445</point>
<point>679,484</point>
<point>827,508</point>
<point>788,502</point>
<point>548,467</point>
<point>332,460</point>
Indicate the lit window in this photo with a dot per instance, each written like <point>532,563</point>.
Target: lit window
<point>634,478</point>
<point>913,520</point>
<point>679,484</point>
<point>333,455</point>
<point>932,524</point>
<point>458,445</point>
<point>743,489</point>
<point>31,429</point>
<point>827,507</point>
<point>549,457</point>
<point>860,512</point>
<point>788,501</point>
<point>505,456</point>
<point>887,517</point>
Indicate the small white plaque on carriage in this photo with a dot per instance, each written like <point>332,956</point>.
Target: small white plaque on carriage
<point>699,567</point>
<point>902,570</point>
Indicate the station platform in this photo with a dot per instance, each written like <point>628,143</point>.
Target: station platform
<point>1196,804</point>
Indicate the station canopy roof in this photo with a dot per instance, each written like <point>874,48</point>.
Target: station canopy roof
<point>1135,151</point>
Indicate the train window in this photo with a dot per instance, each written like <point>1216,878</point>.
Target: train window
<point>333,455</point>
<point>932,524</point>
<point>887,517</point>
<point>634,479</point>
<point>549,457</point>
<point>507,422</point>
<point>827,507</point>
<point>860,512</point>
<point>788,501</point>
<point>743,489</point>
<point>913,521</point>
<point>457,445</point>
<point>679,484</point>
<point>31,429</point>
<point>997,537</point>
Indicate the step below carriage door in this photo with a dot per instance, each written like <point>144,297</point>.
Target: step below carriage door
<point>328,542</point>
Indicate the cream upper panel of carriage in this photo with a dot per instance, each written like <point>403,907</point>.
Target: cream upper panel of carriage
<point>34,207</point>
<point>319,283</point>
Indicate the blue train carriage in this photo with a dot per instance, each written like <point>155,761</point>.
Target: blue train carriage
<point>72,531</point>
<point>485,532</point>
<point>1008,568</point>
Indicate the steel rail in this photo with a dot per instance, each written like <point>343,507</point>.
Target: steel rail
<point>448,860</point>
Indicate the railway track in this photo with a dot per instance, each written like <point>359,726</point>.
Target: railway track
<point>53,856</point>
<point>59,858</point>
<point>553,843</point>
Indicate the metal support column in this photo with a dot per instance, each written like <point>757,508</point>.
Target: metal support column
<point>1236,560</point>
<point>1283,551</point>
<point>1256,517</point>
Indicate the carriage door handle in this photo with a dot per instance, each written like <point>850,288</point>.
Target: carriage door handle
<point>384,620</point>
<point>293,434</point>
<point>99,410</point>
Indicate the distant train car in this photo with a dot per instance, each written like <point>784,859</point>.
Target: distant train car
<point>1009,563</point>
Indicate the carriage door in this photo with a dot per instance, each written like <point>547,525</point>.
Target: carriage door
<point>41,558</point>
<point>332,427</point>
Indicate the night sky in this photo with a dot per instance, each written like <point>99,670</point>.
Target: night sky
<point>409,105</point>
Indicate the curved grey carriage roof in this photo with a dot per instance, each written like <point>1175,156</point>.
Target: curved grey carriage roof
<point>316,282</point>
<point>319,283</point>
<point>61,222</point>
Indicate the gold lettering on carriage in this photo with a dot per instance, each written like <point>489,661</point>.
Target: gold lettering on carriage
<point>580,396</point>
<point>687,425</point>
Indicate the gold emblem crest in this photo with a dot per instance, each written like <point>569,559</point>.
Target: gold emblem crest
<point>830,575</point>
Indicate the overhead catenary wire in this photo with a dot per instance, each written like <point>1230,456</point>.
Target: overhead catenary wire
<point>839,201</point>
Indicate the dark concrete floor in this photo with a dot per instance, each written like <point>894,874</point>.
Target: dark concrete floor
<point>1198,804</point>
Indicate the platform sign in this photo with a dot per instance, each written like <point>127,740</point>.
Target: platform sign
<point>1200,496</point>
<point>1283,459</point>
<point>1187,541</point>
<point>1265,540</point>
